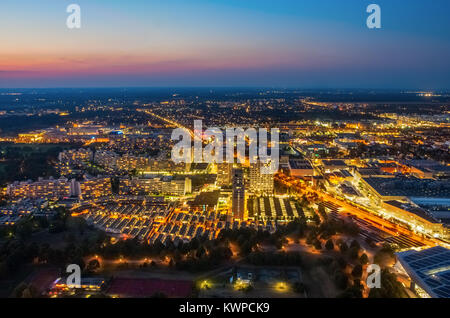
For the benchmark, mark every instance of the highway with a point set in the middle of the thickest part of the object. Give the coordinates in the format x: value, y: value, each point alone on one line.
x: 169, y: 121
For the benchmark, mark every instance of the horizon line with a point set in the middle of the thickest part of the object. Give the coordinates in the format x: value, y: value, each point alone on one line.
x: 232, y: 87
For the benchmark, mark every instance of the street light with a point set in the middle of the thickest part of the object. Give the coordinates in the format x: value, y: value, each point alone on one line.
x: 205, y: 284
x: 281, y: 286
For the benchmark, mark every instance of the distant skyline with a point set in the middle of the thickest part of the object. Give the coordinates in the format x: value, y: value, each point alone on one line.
x: 240, y: 43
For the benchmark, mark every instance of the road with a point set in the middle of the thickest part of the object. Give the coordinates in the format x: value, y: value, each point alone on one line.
x: 169, y: 121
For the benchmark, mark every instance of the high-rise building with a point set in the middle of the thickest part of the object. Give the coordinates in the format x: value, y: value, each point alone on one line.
x: 187, y: 185
x: 260, y: 183
x: 106, y: 159
x: 92, y: 188
x: 166, y: 185
x: 76, y: 156
x: 238, y: 203
x: 224, y: 171
x: 129, y: 163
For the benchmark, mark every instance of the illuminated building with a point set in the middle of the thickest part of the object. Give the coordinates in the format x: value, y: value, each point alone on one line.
x: 429, y: 271
x: 77, y: 156
x: 155, y: 185
x: 260, y: 183
x: 316, y: 149
x: 129, y: 163
x: 166, y: 166
x: 187, y: 185
x: 12, y: 213
x: 112, y: 162
x: 41, y: 189
x: 338, y: 177
x: 419, y: 219
x: 373, y: 172
x: 426, y: 169
x: 70, y: 158
x: 396, y: 196
x: 439, y: 208
x: 331, y: 165
x: 224, y: 171
x: 300, y: 168
x: 400, y: 188
x: 176, y: 186
x: 140, y: 186
x: 238, y: 198
x: 87, y: 130
x: 29, y: 138
x: 272, y: 208
x: 106, y: 159
x: 145, y: 218
x: 92, y: 188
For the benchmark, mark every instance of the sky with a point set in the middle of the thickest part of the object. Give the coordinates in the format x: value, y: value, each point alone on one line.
x: 279, y: 43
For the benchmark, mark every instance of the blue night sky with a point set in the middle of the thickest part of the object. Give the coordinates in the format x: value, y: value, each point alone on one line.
x: 283, y: 43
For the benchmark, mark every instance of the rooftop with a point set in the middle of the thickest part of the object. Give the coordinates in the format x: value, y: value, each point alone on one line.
x: 334, y: 162
x: 410, y: 187
x: 413, y: 209
x: 430, y: 269
x: 428, y: 166
x: 206, y: 199
x: 372, y: 172
x: 299, y: 164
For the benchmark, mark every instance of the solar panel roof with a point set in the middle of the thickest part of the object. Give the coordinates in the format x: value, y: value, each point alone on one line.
x: 430, y: 269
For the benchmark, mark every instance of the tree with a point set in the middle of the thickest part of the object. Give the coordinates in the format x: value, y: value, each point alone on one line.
x: 24, y: 229
x: 352, y: 292
x: 200, y: 252
x: 30, y: 292
x: 317, y: 245
x: 18, y: 291
x: 3, y: 270
x: 357, y: 271
x: 390, y: 287
x: 343, y: 247
x: 316, y: 218
x: 342, y: 263
x: 353, y: 252
x: 355, y: 244
x: 351, y: 229
x: 329, y: 245
x: 321, y: 212
x: 76, y: 224
x: 310, y: 238
x: 274, y: 259
x: 93, y: 265
x: 384, y: 255
x: 247, y: 289
x: 364, y: 259
x: 299, y: 288
x: 341, y: 280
